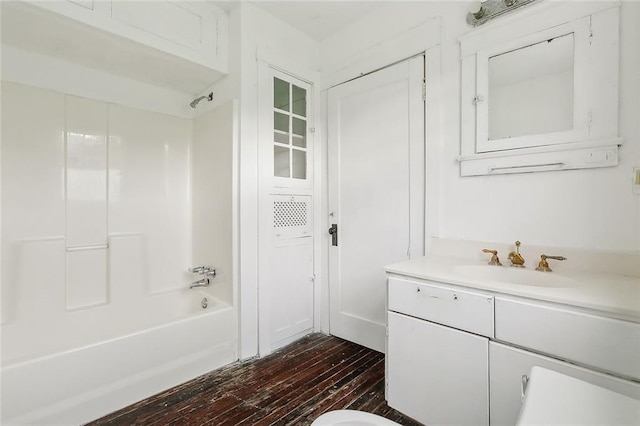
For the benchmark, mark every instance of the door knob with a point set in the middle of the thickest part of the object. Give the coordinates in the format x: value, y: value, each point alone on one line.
x: 333, y: 231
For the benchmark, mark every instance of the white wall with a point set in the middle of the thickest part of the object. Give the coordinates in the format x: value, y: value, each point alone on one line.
x: 583, y: 208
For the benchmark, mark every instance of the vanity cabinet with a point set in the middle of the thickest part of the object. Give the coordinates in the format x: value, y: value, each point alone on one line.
x: 437, y: 353
x: 456, y: 355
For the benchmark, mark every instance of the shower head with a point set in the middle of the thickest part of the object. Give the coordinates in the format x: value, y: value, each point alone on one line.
x: 194, y: 102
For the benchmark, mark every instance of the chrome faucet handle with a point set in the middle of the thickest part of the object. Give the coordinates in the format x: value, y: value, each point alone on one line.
x: 210, y: 272
x: 494, y: 258
x: 197, y: 269
x: 543, y: 265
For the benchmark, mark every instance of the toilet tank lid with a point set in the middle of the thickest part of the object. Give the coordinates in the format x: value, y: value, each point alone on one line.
x: 553, y: 398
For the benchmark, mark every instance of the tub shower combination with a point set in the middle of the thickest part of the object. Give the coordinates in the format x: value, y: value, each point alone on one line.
x: 103, y: 209
x: 77, y: 385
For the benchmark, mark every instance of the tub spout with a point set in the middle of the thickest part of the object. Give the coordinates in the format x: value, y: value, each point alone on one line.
x: 200, y: 283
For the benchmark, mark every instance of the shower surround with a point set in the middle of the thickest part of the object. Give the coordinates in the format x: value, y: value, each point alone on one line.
x: 98, y: 230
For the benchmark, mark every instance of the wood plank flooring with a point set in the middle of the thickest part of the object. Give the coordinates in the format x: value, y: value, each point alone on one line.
x: 290, y: 387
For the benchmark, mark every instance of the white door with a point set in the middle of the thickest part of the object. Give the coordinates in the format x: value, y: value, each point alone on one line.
x: 285, y: 205
x: 376, y: 193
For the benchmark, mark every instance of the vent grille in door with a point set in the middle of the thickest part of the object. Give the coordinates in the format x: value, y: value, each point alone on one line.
x: 291, y: 216
x: 289, y: 213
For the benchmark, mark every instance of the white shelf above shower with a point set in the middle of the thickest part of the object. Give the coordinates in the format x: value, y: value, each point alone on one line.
x: 176, y: 45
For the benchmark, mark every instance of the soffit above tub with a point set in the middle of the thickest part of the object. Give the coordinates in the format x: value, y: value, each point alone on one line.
x: 41, y: 31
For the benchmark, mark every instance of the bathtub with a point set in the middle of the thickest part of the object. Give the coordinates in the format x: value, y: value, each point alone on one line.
x: 78, y: 384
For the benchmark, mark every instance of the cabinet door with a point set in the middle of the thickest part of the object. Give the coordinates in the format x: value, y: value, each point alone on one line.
x: 436, y: 374
x: 508, y: 365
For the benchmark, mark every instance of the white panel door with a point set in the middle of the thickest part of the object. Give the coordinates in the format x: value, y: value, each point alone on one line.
x: 376, y: 193
x: 285, y: 211
x: 291, y: 269
x: 436, y: 374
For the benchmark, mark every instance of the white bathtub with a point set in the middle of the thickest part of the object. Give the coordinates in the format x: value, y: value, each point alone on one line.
x: 73, y: 386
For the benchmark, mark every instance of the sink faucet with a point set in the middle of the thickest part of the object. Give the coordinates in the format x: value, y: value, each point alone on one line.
x: 200, y: 283
x: 516, y: 258
x: 494, y: 258
x: 543, y: 265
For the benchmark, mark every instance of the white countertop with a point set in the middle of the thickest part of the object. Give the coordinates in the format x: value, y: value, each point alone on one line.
x: 616, y: 295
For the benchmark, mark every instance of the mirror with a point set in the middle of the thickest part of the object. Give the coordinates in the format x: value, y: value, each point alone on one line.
x: 531, y: 89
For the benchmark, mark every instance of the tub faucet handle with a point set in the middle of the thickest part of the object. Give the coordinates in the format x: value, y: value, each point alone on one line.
x: 494, y: 258
x: 197, y: 270
x: 209, y: 271
x: 543, y: 265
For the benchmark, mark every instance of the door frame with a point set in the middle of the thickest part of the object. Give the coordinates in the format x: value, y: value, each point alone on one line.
x: 343, y: 323
x: 433, y: 121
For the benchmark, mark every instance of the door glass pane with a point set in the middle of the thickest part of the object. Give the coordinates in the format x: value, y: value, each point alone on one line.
x: 299, y: 132
x: 299, y: 164
x: 281, y: 122
x: 280, y: 161
x: 281, y: 137
x: 280, y: 94
x: 299, y: 101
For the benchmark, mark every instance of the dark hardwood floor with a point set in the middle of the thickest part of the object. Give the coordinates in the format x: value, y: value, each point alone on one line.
x: 292, y: 386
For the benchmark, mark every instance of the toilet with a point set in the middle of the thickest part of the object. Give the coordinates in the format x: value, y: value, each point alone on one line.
x: 351, y: 418
x: 552, y: 398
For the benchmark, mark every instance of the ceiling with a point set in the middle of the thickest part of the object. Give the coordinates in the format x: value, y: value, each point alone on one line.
x: 317, y: 18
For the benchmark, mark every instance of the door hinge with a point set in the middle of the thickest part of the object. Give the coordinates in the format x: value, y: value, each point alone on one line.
x: 424, y: 90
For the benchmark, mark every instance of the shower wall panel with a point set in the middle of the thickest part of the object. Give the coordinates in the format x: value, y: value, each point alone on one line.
x: 95, y: 219
x: 86, y: 172
x: 149, y: 192
x: 212, y: 160
x: 33, y: 204
x: 86, y: 202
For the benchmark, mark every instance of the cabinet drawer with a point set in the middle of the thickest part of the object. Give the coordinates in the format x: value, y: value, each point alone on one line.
x: 465, y: 310
x: 605, y: 343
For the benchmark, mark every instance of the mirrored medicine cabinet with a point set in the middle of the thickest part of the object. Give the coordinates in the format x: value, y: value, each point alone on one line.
x: 540, y: 91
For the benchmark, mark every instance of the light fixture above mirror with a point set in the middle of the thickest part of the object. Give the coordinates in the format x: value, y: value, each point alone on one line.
x: 482, y: 11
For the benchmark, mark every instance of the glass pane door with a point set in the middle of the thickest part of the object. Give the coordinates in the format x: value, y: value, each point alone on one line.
x: 289, y: 130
